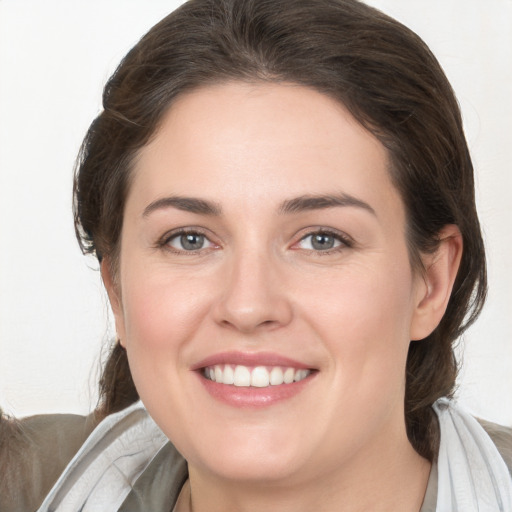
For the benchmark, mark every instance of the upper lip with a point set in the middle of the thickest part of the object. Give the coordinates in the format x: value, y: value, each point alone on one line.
x: 250, y: 359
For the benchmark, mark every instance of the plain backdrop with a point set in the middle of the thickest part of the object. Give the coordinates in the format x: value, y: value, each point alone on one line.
x: 55, y: 57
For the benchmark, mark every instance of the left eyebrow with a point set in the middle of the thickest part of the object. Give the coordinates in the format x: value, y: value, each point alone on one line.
x: 321, y: 202
x: 187, y: 204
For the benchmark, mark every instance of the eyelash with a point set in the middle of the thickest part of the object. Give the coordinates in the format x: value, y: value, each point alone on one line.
x: 164, y: 242
x: 344, y: 241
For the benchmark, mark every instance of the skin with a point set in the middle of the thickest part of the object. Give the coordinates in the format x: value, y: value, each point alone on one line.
x: 258, y: 285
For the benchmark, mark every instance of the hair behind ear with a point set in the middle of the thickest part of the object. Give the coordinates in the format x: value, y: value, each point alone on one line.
x: 431, y: 365
x: 116, y: 387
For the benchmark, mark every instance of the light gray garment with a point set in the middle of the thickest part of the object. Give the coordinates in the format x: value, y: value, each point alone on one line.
x: 472, y: 475
x: 108, y: 464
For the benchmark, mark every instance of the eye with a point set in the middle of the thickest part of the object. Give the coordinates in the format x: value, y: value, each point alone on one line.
x: 322, y: 241
x: 189, y: 241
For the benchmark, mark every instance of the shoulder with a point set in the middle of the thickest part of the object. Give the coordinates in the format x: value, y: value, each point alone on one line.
x: 109, y: 462
x: 502, y: 438
x: 33, y: 453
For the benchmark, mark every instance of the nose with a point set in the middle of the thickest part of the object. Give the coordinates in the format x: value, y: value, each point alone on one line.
x: 254, y: 295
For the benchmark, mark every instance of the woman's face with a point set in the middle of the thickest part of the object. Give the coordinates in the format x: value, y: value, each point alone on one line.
x: 263, y: 242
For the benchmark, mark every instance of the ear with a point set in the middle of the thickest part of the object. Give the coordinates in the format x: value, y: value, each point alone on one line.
x: 440, y: 272
x: 114, y: 297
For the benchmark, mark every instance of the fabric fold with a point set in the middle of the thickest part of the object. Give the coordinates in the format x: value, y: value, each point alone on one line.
x: 104, y: 470
x: 472, y: 475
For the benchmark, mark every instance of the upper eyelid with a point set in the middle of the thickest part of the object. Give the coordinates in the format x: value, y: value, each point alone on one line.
x: 184, y: 231
x: 344, y: 237
x: 173, y: 233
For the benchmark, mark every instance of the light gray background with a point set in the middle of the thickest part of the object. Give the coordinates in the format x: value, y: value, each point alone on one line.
x: 55, y: 57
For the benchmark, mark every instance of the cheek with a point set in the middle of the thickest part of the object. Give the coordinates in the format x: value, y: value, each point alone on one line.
x: 160, y: 308
x: 162, y: 314
x: 364, y: 316
x: 367, y: 294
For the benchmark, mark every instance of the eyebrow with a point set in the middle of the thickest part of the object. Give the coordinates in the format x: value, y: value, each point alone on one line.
x: 321, y: 202
x: 295, y: 205
x: 187, y: 204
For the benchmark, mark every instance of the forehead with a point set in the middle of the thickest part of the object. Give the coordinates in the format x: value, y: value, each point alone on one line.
x: 254, y: 143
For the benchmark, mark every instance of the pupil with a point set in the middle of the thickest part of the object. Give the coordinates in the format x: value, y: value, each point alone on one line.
x: 322, y: 242
x: 192, y: 241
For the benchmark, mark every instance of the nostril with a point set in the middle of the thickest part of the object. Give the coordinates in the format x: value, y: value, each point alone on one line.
x: 248, y: 325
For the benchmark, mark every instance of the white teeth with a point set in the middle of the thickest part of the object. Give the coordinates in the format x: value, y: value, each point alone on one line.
x: 276, y: 376
x: 259, y: 377
x: 229, y: 375
x: 300, y: 374
x: 288, y: 376
x: 242, y: 376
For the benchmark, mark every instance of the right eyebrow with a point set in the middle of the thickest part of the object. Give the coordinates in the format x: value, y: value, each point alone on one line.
x: 187, y: 204
x: 322, y: 202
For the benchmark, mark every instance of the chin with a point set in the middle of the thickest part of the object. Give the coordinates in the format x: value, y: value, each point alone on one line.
x: 256, y: 470
x: 249, y: 455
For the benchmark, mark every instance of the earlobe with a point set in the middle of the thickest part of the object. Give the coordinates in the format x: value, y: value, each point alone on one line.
x: 114, y: 297
x: 441, y: 270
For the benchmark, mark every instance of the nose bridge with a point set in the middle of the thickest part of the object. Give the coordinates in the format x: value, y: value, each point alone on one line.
x: 254, y: 293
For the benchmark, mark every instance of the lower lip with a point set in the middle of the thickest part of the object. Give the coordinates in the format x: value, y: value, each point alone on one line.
x: 253, y: 397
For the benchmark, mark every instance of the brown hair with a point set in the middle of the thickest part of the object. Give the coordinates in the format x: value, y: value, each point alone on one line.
x: 380, y: 70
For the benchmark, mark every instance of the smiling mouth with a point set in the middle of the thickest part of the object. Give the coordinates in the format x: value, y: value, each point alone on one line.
x: 257, y: 376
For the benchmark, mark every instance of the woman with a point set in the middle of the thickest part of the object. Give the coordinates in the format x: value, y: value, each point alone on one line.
x: 282, y: 202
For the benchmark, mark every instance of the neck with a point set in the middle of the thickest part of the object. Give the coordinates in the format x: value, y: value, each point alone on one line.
x: 394, y: 481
